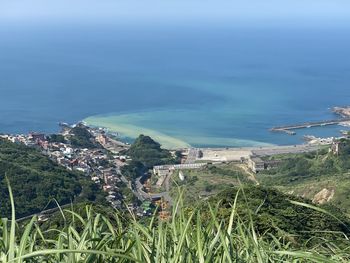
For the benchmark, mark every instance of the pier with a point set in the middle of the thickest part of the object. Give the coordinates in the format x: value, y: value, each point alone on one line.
x: 289, y: 129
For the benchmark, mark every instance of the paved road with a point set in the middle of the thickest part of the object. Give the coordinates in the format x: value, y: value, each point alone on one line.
x: 45, y: 212
x: 142, y: 195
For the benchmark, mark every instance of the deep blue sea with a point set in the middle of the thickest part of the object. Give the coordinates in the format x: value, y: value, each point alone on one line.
x: 207, y: 86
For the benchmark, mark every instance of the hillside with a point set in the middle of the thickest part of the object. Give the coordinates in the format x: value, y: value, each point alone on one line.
x: 208, y: 181
x: 36, y: 180
x: 259, y: 225
x: 149, y: 152
x: 269, y: 210
x: 81, y: 137
x: 146, y: 153
x: 322, y: 176
x: 275, y: 213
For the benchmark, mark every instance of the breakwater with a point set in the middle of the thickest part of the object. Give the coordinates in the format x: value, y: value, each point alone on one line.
x: 289, y: 129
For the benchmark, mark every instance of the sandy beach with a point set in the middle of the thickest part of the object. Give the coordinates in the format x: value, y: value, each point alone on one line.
x: 133, y: 131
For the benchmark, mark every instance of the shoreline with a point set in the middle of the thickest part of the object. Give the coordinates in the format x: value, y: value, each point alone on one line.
x: 130, y: 131
x: 133, y: 131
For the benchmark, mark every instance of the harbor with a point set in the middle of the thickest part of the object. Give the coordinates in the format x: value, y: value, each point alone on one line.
x: 344, y: 120
x: 289, y: 129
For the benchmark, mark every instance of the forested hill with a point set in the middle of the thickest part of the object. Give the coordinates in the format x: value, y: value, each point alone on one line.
x: 36, y: 180
x: 149, y: 152
x: 146, y: 153
x: 282, y: 215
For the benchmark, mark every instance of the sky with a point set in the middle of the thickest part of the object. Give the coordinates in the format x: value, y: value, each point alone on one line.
x: 176, y: 11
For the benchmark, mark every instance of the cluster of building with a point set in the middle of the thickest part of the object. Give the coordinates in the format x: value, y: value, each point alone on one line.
x: 31, y: 139
x: 100, y: 165
x: 103, y: 165
x: 319, y: 140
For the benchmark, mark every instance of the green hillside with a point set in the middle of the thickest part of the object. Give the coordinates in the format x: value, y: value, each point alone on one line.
x: 247, y: 225
x: 277, y: 213
x: 81, y: 137
x: 321, y: 176
x: 146, y: 153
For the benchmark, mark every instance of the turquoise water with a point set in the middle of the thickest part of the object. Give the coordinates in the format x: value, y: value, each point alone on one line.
x: 205, y: 87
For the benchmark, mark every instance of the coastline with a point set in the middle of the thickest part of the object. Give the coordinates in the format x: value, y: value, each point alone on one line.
x: 123, y: 126
x: 133, y: 131
x: 179, y: 129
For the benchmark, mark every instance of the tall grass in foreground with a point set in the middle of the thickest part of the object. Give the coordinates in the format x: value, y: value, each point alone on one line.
x: 92, y: 237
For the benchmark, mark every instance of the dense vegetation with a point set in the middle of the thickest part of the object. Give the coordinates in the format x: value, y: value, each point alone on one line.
x: 314, y: 164
x: 58, y: 138
x: 37, y: 180
x: 208, y: 181
x: 81, y: 137
x: 225, y: 231
x: 308, y: 174
x: 149, y: 152
x: 275, y: 213
x: 146, y: 153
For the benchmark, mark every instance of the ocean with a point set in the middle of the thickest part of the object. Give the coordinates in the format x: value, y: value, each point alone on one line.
x: 201, y: 86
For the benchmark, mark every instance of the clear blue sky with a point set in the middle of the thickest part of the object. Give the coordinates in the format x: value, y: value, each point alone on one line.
x: 176, y: 11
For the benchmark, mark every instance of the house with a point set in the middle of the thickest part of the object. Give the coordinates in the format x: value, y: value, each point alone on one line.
x: 44, y: 144
x: 256, y: 164
x: 67, y: 151
x: 4, y: 136
x: 95, y: 179
x: 14, y: 139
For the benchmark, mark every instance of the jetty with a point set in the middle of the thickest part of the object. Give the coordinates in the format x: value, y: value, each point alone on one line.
x: 289, y: 129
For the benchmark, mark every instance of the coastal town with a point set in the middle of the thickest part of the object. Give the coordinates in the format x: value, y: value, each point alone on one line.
x: 101, y: 156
